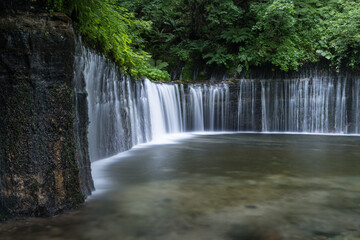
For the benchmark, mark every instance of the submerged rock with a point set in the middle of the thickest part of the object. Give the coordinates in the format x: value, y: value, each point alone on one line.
x: 239, y: 232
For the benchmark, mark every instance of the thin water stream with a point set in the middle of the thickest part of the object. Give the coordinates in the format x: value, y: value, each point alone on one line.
x: 124, y: 113
x: 231, y: 186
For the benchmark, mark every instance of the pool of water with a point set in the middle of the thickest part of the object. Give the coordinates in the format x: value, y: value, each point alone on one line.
x: 230, y: 186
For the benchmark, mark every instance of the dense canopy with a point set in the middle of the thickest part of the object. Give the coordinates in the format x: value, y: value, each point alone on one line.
x: 153, y: 38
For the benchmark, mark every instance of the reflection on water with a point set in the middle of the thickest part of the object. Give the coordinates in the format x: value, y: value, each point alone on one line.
x: 235, y: 187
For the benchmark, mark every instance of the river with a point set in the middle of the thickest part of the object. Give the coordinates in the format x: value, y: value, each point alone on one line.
x: 219, y: 186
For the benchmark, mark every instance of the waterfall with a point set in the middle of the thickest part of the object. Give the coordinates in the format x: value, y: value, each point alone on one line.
x: 317, y: 105
x: 124, y: 113
x: 196, y: 110
x: 216, y: 110
x: 356, y: 107
x: 165, y: 109
x: 247, y: 118
x: 108, y: 127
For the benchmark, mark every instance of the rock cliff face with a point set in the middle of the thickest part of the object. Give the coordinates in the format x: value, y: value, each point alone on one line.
x: 44, y: 162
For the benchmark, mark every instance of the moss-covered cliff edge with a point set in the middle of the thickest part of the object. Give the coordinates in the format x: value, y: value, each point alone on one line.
x: 44, y: 163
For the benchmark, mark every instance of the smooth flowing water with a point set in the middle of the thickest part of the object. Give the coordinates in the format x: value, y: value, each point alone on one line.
x: 233, y: 186
x: 124, y: 113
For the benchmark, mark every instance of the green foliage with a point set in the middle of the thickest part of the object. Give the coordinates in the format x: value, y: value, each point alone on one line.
x: 340, y: 36
x: 282, y: 34
x: 115, y: 31
x: 192, y: 32
x: 188, y: 71
x: 148, y: 37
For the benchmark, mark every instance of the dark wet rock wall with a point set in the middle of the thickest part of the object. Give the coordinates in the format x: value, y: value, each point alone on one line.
x: 44, y: 164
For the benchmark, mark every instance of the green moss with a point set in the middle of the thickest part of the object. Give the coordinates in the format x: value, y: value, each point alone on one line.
x: 188, y: 72
x: 35, y: 186
x: 201, y: 76
x: 70, y: 165
x: 231, y: 70
x: 17, y: 165
x: 50, y: 171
